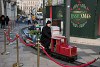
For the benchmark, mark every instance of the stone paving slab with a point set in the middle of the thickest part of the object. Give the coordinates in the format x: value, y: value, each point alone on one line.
x: 28, y: 59
x: 78, y: 40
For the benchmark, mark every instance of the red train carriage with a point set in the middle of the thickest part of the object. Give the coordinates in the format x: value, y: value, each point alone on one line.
x: 61, y: 47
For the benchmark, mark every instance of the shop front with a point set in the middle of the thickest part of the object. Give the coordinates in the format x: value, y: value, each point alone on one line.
x: 84, y: 17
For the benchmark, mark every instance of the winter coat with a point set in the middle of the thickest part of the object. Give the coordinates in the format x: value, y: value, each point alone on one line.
x: 2, y: 21
x: 7, y: 20
x: 46, y: 36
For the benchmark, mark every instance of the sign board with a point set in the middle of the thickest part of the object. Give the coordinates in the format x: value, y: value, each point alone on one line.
x: 80, y: 14
x: 58, y: 12
x: 83, y: 22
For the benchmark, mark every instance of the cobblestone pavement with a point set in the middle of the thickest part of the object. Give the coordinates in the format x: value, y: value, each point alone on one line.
x: 28, y: 55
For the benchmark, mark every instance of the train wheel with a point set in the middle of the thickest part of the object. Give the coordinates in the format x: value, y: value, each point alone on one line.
x: 71, y: 59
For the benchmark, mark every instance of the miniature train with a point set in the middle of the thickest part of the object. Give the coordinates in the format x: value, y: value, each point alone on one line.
x: 61, y: 47
x: 58, y: 47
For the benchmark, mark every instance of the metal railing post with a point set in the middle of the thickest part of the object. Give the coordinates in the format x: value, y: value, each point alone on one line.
x: 38, y: 53
x: 17, y: 49
x: 5, y: 47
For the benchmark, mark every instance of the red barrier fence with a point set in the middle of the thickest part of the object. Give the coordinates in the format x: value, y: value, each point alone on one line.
x: 8, y: 37
x: 31, y: 44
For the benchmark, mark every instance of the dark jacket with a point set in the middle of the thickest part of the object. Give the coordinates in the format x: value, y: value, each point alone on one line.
x: 7, y: 20
x: 2, y: 21
x: 46, y: 36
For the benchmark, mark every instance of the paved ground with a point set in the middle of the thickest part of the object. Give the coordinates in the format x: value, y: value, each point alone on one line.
x: 95, y: 42
x: 28, y: 55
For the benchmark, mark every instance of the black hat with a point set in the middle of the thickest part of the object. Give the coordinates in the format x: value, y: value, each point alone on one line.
x: 48, y: 22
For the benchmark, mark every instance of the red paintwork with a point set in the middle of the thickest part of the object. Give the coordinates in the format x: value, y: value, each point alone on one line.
x: 50, y: 11
x: 62, y: 47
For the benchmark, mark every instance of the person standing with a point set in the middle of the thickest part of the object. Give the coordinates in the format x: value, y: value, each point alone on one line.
x: 46, y: 36
x: 2, y: 20
x: 7, y: 20
x: 29, y: 20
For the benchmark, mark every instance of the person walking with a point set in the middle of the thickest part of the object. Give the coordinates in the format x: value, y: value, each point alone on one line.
x: 2, y: 21
x: 7, y: 20
x: 46, y: 36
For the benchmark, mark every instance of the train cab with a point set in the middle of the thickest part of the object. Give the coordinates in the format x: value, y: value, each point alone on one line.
x: 61, y: 47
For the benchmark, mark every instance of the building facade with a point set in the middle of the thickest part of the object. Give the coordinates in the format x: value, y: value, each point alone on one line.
x: 8, y: 8
x: 28, y: 5
x: 84, y: 17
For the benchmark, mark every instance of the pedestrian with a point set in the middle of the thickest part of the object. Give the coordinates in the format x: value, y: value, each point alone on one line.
x: 34, y: 31
x: 7, y: 20
x: 46, y: 36
x: 2, y: 20
x: 29, y: 22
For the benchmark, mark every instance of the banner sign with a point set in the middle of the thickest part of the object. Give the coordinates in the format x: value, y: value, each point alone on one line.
x: 79, y: 15
x: 83, y: 18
